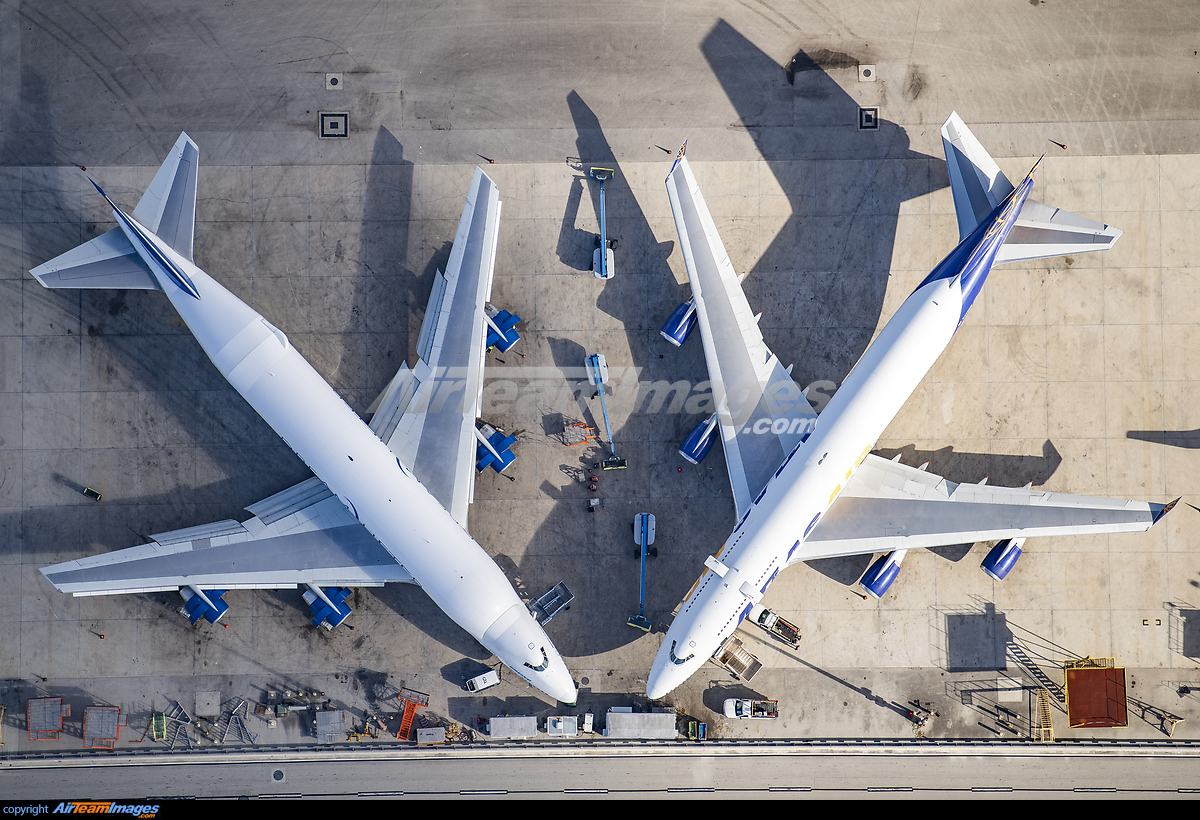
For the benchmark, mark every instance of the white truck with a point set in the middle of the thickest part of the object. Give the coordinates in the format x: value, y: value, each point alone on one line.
x: 771, y: 622
x: 745, y: 708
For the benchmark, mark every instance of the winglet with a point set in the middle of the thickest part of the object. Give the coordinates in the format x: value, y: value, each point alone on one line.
x: 1159, y: 510
x: 678, y: 156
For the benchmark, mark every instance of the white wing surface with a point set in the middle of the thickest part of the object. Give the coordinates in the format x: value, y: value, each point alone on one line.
x: 762, y: 412
x: 426, y: 415
x: 889, y: 506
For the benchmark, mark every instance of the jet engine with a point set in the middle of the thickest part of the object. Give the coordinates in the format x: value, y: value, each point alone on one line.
x: 501, y: 328
x: 698, y: 442
x: 681, y: 323
x: 1002, y: 558
x: 206, y: 604
x: 879, y: 577
x: 328, y: 605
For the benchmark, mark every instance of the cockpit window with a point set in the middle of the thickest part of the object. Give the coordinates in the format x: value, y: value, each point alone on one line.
x: 545, y: 662
x: 678, y: 661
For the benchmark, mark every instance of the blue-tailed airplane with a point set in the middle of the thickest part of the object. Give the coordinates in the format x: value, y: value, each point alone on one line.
x: 388, y: 503
x: 806, y: 487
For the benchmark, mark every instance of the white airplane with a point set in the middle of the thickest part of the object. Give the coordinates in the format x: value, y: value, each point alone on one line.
x: 808, y: 487
x: 388, y: 503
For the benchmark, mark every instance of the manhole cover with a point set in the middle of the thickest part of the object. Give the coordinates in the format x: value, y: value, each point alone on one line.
x: 334, y: 124
x: 866, y: 73
x: 333, y: 81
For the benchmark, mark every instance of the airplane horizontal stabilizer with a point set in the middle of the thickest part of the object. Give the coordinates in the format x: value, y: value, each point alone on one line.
x: 109, y: 261
x: 979, y: 186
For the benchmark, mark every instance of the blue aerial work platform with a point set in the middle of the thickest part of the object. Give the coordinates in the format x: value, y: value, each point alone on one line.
x: 602, y: 257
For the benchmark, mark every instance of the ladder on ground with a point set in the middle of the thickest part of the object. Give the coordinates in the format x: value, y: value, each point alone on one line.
x: 412, y: 700
x: 1043, y: 732
x: 235, y: 724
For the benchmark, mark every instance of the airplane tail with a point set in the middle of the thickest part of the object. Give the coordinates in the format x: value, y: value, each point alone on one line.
x: 168, y: 208
x: 979, y: 186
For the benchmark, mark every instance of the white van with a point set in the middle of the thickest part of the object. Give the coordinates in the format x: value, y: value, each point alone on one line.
x: 485, y: 681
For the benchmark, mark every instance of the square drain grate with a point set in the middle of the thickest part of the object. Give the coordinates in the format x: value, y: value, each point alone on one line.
x: 868, y: 119
x: 334, y: 124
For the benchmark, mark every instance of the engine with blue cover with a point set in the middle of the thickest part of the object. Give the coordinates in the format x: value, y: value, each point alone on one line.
x: 1002, y: 558
x: 879, y: 577
x: 503, y: 341
x: 195, y: 607
x: 321, y: 611
x: 698, y: 442
x: 501, y: 444
x: 681, y: 323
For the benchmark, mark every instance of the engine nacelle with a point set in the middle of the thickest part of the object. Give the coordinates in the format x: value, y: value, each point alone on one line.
x: 1002, y: 558
x: 501, y: 328
x: 195, y: 605
x: 879, y: 577
x: 323, y: 614
x: 681, y: 323
x: 493, y: 449
x: 698, y: 442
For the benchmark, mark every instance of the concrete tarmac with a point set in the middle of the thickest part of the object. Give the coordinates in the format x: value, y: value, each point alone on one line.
x: 1074, y: 374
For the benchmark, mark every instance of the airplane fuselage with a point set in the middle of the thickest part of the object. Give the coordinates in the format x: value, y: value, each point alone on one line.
x: 772, y: 532
x: 284, y: 389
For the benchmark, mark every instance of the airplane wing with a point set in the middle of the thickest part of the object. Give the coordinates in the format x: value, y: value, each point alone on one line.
x: 888, y: 506
x: 303, y: 535
x: 762, y: 412
x: 979, y: 186
x: 426, y: 415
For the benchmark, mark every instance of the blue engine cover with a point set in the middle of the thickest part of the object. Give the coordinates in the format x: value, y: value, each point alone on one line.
x: 501, y: 443
x: 681, y: 324
x: 195, y: 608
x: 880, y: 576
x: 1001, y: 559
x: 507, y: 322
x: 322, y: 612
x: 698, y: 442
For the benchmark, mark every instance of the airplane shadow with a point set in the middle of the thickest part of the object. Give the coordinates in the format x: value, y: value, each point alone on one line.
x: 1187, y: 439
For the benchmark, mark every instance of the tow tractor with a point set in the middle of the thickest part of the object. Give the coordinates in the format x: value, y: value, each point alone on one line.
x: 602, y: 257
